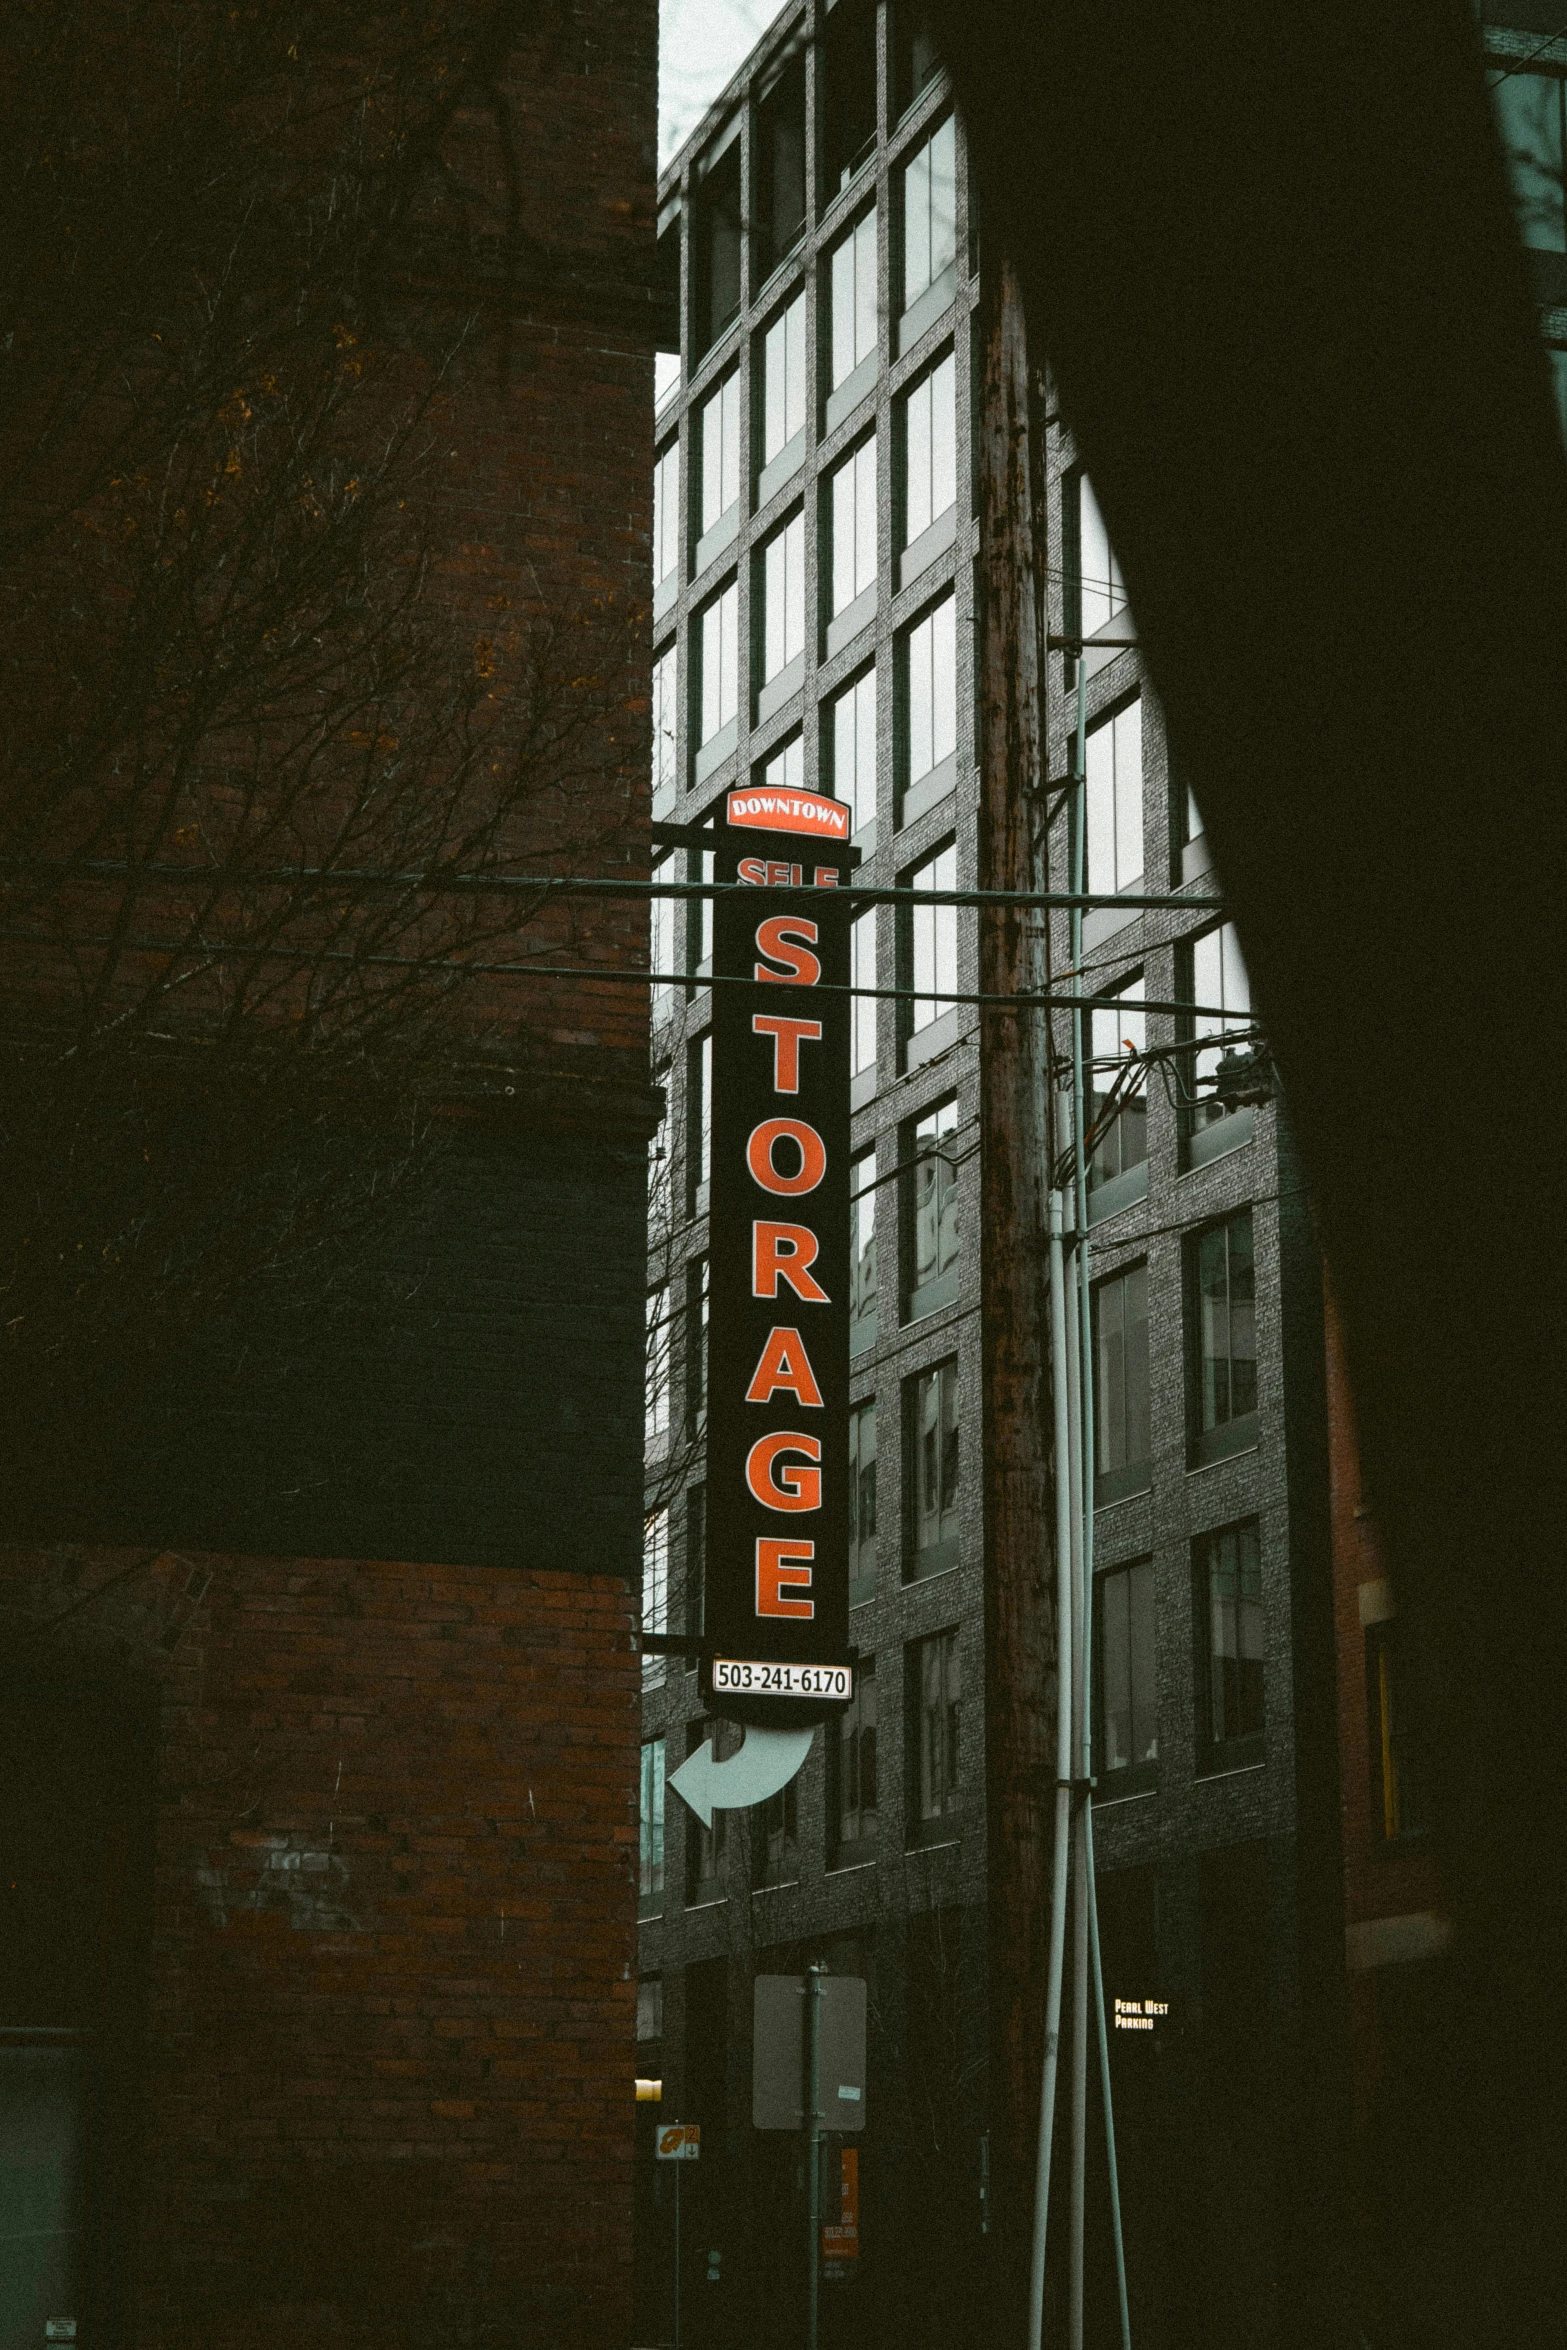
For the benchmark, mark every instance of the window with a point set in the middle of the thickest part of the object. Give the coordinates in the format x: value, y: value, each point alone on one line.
x: 934, y: 1464
x: 915, y: 63
x: 659, y: 1205
x: 783, y: 380
x: 930, y: 213
x: 1123, y: 1443
x: 1126, y: 1700
x: 716, y: 255
x: 1116, y: 1091
x: 862, y: 1253
x: 655, y: 1584
x: 862, y: 973
x: 1095, y: 590
x: 655, y: 1413
x: 696, y: 1562
x: 851, y: 734
x: 699, y: 917
x: 699, y: 1122
x: 936, y: 1694
x: 666, y: 513
x: 851, y: 295
x: 707, y: 1849
x: 696, y: 1343
x: 851, y: 1772
x: 931, y: 933
x: 664, y: 721
x: 661, y: 936
x: 849, y: 65
x: 1225, y: 1332
x: 1216, y: 978
x: 928, y: 709
x: 775, y: 1837
x: 1529, y: 115
x: 650, y: 2009
x: 862, y: 1503
x: 1398, y: 1798
x: 718, y: 432
x: 785, y: 770
x: 933, y: 1205
x: 1229, y: 1610
x: 780, y: 167
x: 853, y: 491
x: 650, y: 1828
x: 783, y: 598
x: 1114, y: 768
x: 719, y: 662
x: 930, y: 481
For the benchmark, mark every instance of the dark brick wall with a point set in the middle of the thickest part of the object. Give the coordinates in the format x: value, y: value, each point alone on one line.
x: 385, y: 2072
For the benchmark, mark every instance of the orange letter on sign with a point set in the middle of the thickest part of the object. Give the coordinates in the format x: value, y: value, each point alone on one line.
x: 788, y: 1488
x: 788, y: 1036
x: 779, y: 937
x: 784, y: 1363
x: 775, y: 1567
x: 781, y: 1252
x: 813, y: 1156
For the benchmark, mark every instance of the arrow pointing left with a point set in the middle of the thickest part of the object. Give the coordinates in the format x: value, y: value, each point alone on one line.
x: 767, y: 1761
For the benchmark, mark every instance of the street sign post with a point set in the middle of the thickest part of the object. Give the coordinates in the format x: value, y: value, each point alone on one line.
x: 679, y: 2143
x: 777, y: 1589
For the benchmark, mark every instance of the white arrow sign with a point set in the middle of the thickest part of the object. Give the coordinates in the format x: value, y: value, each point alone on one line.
x: 767, y: 1761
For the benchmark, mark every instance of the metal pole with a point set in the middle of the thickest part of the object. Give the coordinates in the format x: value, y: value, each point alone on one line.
x: 1079, y: 2073
x: 1083, y: 1517
x: 813, y: 2028
x: 1104, y: 2090
x: 1063, y: 1498
x: 679, y: 2167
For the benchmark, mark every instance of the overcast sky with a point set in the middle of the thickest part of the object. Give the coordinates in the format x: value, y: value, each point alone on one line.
x: 701, y: 43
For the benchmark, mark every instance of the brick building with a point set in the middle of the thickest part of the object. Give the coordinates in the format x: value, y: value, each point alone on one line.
x: 838, y: 585
x: 319, y: 1691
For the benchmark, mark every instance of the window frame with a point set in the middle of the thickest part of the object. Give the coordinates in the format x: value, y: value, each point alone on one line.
x: 923, y: 1561
x: 1142, y: 1773
x: 941, y: 1825
x: 915, y: 1153
x: 1208, y: 1442
x: 863, y: 1586
x: 850, y: 1727
x: 1135, y: 1473
x: 1245, y: 1747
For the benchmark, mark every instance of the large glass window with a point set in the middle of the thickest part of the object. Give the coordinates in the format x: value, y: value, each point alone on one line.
x: 783, y: 598
x: 1095, y: 589
x: 851, y: 1799
x: 716, y: 240
x: 666, y: 513
x: 784, y: 770
x: 1114, y: 768
x: 1229, y: 1593
x: 930, y: 478
x: 1116, y: 1092
x: 1126, y: 1709
x: 718, y: 433
x: 862, y: 1503
x: 775, y: 1837
x: 862, y: 1252
x: 933, y: 1210
x: 650, y: 2009
x: 655, y: 1583
x: 849, y: 72
x: 936, y: 1744
x: 853, y: 490
x: 928, y: 707
x: 664, y: 724
x: 852, y: 733
x: 780, y: 167
x: 655, y: 1411
x: 1530, y: 117
x: 851, y: 284
x: 915, y: 61
x: 699, y: 916
x: 1223, y: 1284
x: 783, y: 380
x: 930, y: 212
x: 932, y: 935
x: 862, y: 973
x: 720, y: 662
x: 650, y: 1827
x: 1216, y: 976
x: 661, y: 933
x: 934, y: 1468
x: 1123, y: 1444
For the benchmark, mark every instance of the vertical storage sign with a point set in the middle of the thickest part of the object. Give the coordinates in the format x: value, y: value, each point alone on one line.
x: 777, y: 1598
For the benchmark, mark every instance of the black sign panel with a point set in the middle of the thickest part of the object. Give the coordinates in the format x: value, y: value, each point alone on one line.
x: 777, y: 1597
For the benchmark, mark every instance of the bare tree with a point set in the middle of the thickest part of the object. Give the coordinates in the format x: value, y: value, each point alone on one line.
x: 267, y: 807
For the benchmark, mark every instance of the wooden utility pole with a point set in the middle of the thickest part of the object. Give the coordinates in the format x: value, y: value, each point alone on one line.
x: 1020, y: 1629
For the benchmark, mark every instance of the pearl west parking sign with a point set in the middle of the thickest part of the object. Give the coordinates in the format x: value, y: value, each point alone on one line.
x: 777, y: 1586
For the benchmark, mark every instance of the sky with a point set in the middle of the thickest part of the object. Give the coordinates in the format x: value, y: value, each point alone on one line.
x: 701, y: 43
